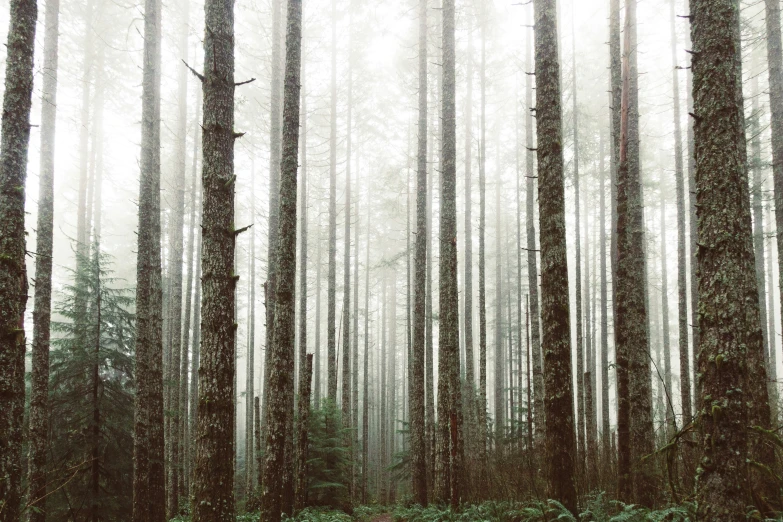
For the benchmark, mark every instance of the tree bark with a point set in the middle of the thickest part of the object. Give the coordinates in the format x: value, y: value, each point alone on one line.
x: 331, y: 320
x: 559, y: 402
x: 42, y: 313
x: 449, y: 392
x: 215, y: 432
x: 417, y: 427
x: 149, y: 476
x: 730, y: 350
x: 302, y: 438
x: 539, y: 414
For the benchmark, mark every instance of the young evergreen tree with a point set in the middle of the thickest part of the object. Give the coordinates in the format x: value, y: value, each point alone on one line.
x: 213, y: 480
x: 148, y: 458
x: 558, y: 400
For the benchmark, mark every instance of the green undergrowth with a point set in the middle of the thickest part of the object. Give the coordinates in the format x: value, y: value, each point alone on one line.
x: 597, y: 508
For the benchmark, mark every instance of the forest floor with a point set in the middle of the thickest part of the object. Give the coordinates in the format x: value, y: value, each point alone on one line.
x: 386, y: 517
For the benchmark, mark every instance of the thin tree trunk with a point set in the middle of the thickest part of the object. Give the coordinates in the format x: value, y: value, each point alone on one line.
x: 682, y: 290
x: 500, y: 399
x: 149, y: 476
x: 346, y: 327
x: 667, y: 365
x: 606, y: 433
x: 539, y: 414
x: 417, y: 399
x: 42, y: 312
x: 215, y: 432
x: 251, y: 338
x: 559, y: 402
x: 317, y: 354
x: 580, y: 384
x: 365, y: 390
x: 331, y: 323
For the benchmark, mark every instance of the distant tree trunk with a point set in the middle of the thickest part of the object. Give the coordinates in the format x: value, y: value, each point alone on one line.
x: 383, y: 415
x: 428, y: 336
x: 482, y: 396
x: 331, y: 338
x: 188, y: 401
x: 175, y: 277
x: 257, y: 435
x: 519, y: 248
x: 302, y: 442
x: 393, y: 386
x: 667, y: 365
x: 532, y: 259
x: 303, y: 221
x: 82, y: 229
x: 251, y: 339
x: 591, y: 423
x: 775, y: 61
x: 606, y: 433
x: 469, y: 370
x: 196, y: 348
x: 42, y: 312
x: 449, y: 392
x: 213, y: 482
x: 148, y: 471
x: 559, y: 402
x: 317, y: 354
x: 346, y: 316
x: 580, y: 383
x: 682, y: 289
x: 615, y: 89
x: 636, y: 477
x: 500, y: 396
x: 417, y: 427
x: 366, y: 386
x: 730, y: 353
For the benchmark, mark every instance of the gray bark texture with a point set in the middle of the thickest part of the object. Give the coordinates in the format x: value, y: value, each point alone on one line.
x: 149, y: 475
x: 558, y: 400
x: 14, y: 139
x: 732, y: 374
x: 281, y: 357
x: 213, y: 480
x: 418, y: 446
x: 42, y: 312
x: 450, y: 439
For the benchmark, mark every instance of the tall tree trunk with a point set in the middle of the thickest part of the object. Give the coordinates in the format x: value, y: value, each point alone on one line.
x: 559, y: 402
x: 449, y: 393
x: 331, y: 321
x: 383, y: 415
x: 468, y: 328
x: 149, y: 476
x: 633, y: 362
x: 215, y: 432
x: 302, y: 438
x: 42, y: 312
x: 539, y: 414
x: 418, y: 445
x: 175, y: 277
x: 365, y: 384
x: 606, y: 433
x: 317, y: 354
x: 277, y: 474
x: 682, y: 289
x: 346, y: 316
x: 251, y: 339
x: 500, y: 399
x: 730, y: 350
x: 275, y: 136
x: 303, y: 222
x: 775, y: 61
x: 188, y: 402
x: 196, y: 347
x: 580, y: 384
x: 482, y: 397
x: 667, y: 365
